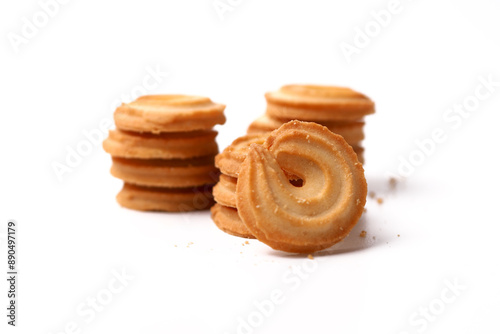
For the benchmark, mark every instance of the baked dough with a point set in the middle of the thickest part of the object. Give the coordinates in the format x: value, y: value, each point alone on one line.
x: 314, y: 216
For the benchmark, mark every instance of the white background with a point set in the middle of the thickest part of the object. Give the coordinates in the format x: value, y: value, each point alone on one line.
x: 73, y: 235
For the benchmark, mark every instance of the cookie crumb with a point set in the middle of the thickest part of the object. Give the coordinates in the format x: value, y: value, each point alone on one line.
x: 372, y: 194
x: 393, y: 182
x: 398, y: 235
x: 310, y: 257
x: 175, y: 245
x: 249, y: 243
x: 373, y: 237
x: 362, y: 234
x: 380, y: 200
x: 365, y: 210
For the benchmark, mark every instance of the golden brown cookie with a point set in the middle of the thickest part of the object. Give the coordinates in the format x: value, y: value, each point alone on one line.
x: 319, y: 213
x: 225, y: 191
x: 169, y: 113
x: 318, y: 103
x: 165, y: 199
x: 230, y: 159
x: 179, y: 145
x: 174, y: 173
x: 351, y: 131
x: 227, y: 220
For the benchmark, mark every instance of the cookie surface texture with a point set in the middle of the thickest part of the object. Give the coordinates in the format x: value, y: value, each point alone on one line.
x: 318, y: 103
x: 179, y: 145
x: 166, y: 173
x: 225, y: 191
x: 351, y: 131
x: 230, y: 159
x: 165, y: 199
x: 169, y: 113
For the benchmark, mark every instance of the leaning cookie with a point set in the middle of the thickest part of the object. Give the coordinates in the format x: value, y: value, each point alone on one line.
x: 322, y: 210
x: 169, y: 113
x: 227, y: 220
x: 318, y: 103
x: 165, y: 199
x: 179, y: 145
x: 176, y: 173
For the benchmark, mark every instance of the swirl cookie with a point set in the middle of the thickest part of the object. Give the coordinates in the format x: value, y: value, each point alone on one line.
x: 351, y: 131
x: 230, y: 159
x: 166, y: 173
x: 317, y: 214
x: 227, y: 220
x: 225, y: 191
x: 169, y: 113
x: 318, y: 103
x: 179, y: 145
x: 165, y: 199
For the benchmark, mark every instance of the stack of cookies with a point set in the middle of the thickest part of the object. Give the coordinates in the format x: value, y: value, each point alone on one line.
x: 163, y: 148
x: 300, y: 188
x: 225, y: 212
x: 341, y: 110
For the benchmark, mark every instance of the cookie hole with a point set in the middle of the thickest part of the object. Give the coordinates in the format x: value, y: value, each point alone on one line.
x: 294, y: 179
x: 296, y: 182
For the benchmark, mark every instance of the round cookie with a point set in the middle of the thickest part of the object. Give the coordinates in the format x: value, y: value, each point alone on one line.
x: 169, y: 113
x: 230, y: 159
x: 166, y: 173
x: 351, y: 131
x: 227, y: 220
x: 318, y: 103
x: 180, y: 145
x: 318, y: 213
x: 225, y: 191
x: 165, y: 199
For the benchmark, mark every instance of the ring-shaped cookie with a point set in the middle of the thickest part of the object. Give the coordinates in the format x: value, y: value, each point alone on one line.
x: 318, y: 103
x: 351, y: 131
x: 169, y: 113
x: 172, y: 173
x: 314, y: 216
x: 229, y: 160
x: 225, y: 191
x: 179, y: 145
x: 227, y: 220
